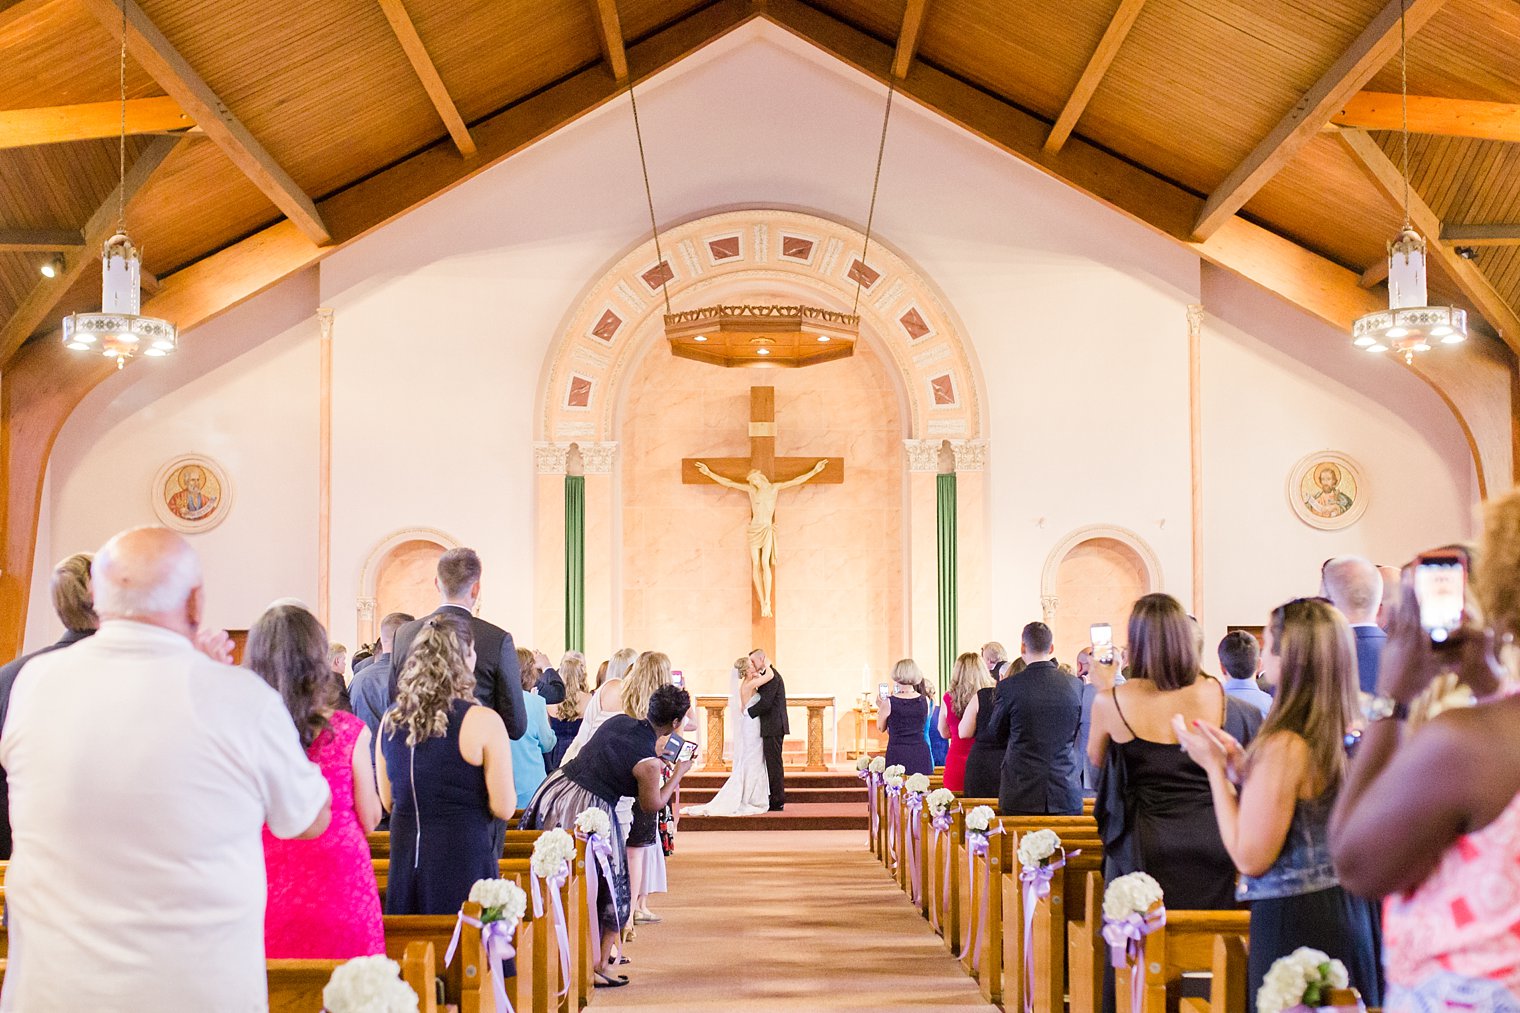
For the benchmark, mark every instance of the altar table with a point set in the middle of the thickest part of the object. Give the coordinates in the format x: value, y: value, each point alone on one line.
x: 716, y: 706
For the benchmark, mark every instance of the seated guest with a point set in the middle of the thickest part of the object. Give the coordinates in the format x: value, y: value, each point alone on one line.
x: 1037, y: 712
x: 75, y: 607
x: 1275, y: 823
x: 1155, y: 810
x: 968, y: 678
x: 185, y: 759
x: 445, y: 771
x: 370, y: 691
x: 1429, y: 817
x: 323, y: 903
x: 1355, y: 587
x: 565, y: 716
x: 1240, y: 659
x: 903, y: 716
x: 984, y: 763
x: 620, y: 760
x: 528, y: 752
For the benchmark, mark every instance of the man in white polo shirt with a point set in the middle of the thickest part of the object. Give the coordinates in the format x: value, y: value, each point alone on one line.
x: 141, y: 771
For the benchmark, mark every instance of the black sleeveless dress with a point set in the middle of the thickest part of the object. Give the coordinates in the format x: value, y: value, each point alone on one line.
x: 441, y: 825
x: 984, y: 764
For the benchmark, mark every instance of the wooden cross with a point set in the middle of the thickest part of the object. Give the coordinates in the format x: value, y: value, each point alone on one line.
x: 762, y: 458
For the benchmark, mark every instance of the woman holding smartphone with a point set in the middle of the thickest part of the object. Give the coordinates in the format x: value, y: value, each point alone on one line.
x: 904, y: 716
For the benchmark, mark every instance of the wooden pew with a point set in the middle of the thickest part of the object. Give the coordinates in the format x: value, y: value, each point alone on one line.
x: 1214, y: 941
x: 1053, y: 920
x: 295, y: 986
x: 518, y: 844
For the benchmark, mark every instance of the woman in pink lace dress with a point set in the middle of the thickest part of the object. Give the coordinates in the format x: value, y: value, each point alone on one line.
x: 323, y: 902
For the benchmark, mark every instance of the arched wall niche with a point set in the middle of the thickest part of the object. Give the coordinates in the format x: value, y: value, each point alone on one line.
x: 395, y: 577
x: 1094, y: 575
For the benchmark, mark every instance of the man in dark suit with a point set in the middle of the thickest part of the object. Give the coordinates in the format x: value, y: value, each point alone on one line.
x: 769, y: 706
x: 370, y: 690
x: 75, y: 605
x: 1355, y: 587
x: 550, y: 686
x: 1039, y: 711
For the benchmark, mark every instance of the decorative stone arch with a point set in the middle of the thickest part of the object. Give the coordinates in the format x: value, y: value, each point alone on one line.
x: 369, y: 574
x: 1092, y: 532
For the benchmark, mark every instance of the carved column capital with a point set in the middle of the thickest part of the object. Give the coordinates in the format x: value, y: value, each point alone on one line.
x: 1048, y: 605
x: 598, y: 458
x: 1195, y: 319
x: 325, y: 322
x: 923, y: 455
x: 367, y: 609
x: 970, y: 455
x: 549, y: 458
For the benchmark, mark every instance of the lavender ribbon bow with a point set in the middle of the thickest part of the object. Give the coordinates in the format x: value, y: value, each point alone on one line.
x: 894, y: 821
x: 555, y: 883
x: 1123, y: 936
x: 977, y: 842
x: 496, y: 941
x: 600, y: 849
x: 939, y: 826
x: 914, y: 803
x: 1036, y: 880
x: 869, y: 777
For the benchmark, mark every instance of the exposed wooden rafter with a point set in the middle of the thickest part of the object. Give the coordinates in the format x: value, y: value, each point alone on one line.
x: 1480, y: 234
x: 427, y: 73
x: 174, y: 75
x: 38, y: 304
x: 609, y: 35
x: 1375, y: 275
x: 1445, y: 117
x: 908, y: 37
x: 40, y: 240
x: 23, y: 128
x: 1108, y: 48
x: 1356, y: 66
x: 1469, y: 279
x: 15, y: 10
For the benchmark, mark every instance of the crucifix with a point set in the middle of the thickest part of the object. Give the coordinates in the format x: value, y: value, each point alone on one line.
x: 762, y: 475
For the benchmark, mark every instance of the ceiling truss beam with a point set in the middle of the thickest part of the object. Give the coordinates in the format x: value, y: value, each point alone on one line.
x: 1444, y: 117
x: 908, y: 37
x: 1480, y: 234
x: 25, y: 128
x: 609, y: 35
x: 40, y: 240
x: 427, y: 72
x: 1108, y: 48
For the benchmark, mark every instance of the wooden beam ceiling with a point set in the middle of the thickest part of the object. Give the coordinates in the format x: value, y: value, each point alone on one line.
x: 23, y: 128
x: 40, y: 240
x: 1382, y: 171
x: 1108, y: 48
x: 908, y: 37
x: 609, y: 34
x: 1364, y: 58
x: 1375, y: 275
x: 164, y: 63
x: 15, y: 10
x: 38, y: 305
x: 1480, y: 234
x: 427, y: 73
x: 1445, y: 117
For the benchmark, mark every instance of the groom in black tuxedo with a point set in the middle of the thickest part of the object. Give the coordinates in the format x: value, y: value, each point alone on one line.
x: 769, y: 706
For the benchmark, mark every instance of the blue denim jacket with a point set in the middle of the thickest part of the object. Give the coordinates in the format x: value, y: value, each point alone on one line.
x: 1304, y: 865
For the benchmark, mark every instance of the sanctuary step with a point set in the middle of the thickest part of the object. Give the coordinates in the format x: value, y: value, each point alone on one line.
x: 830, y: 800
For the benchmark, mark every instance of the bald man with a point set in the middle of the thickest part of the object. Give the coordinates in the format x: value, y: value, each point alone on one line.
x: 1355, y: 587
x: 137, y: 742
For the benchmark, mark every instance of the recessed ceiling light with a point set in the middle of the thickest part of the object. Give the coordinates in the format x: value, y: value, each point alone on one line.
x: 823, y: 337
x: 700, y: 337
x: 762, y: 351
x: 53, y: 266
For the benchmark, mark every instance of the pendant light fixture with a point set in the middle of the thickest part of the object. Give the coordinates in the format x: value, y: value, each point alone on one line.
x: 1408, y: 326
x: 119, y: 331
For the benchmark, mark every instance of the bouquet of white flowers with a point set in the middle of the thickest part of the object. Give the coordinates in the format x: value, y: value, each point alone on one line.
x: 368, y: 985
x: 594, y: 822
x: 939, y: 800
x: 878, y: 765
x: 1036, y: 847
x: 897, y: 770
x: 1135, y: 893
x: 917, y: 783
x: 1302, y: 978
x: 863, y: 762
x: 550, y: 852
x: 979, y: 820
x: 500, y: 900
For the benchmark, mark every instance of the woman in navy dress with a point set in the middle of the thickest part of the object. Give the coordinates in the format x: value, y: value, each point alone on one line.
x: 565, y: 717
x: 904, y: 717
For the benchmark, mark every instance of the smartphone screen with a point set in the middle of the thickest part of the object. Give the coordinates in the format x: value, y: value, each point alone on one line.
x: 1102, y: 635
x: 882, y: 691
x: 688, y: 750
x: 678, y: 679
x: 1440, y: 584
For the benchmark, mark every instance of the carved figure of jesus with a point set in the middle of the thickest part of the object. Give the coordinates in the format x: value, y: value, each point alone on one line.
x: 761, y: 532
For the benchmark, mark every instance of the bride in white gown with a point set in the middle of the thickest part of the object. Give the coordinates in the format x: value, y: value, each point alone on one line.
x: 748, y: 789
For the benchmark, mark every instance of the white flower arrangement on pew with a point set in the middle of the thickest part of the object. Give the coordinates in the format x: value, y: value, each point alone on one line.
x: 1301, y: 980
x: 500, y: 900
x: 918, y: 784
x: 863, y: 762
x: 1036, y: 847
x: 550, y: 852
x: 892, y: 777
x: 368, y: 985
x: 1134, y: 894
x: 593, y: 822
x: 979, y: 820
x: 939, y: 801
x: 878, y: 765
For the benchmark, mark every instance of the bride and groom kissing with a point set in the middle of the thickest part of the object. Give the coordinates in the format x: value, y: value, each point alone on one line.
x: 757, y: 699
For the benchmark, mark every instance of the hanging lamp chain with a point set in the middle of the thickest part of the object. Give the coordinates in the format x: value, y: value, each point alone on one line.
x: 121, y: 141
x: 1404, y: 105
x: 659, y: 258
x: 881, y: 150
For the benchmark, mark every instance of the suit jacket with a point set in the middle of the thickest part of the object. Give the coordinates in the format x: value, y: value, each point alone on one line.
x: 498, y: 680
x: 370, y: 692
x: 1040, y: 712
x: 769, y: 705
x: 551, y: 688
x: 1369, y: 655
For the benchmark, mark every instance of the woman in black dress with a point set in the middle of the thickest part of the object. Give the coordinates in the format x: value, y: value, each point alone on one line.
x: 445, y: 772
x: 984, y: 764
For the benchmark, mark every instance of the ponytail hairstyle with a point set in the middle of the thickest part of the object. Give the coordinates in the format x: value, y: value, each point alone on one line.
x: 287, y: 647
x: 437, y: 673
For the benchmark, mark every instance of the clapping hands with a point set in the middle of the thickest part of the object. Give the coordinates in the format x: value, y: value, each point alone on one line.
x: 1213, y: 749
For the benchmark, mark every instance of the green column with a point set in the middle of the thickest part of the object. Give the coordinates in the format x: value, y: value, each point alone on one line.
x: 575, y: 562
x: 949, y: 625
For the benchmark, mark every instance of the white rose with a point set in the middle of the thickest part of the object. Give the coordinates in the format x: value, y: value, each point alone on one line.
x: 368, y: 985
x: 551, y: 851
x: 939, y: 800
x: 1035, y: 847
x: 917, y: 783
x: 980, y: 818
x: 1135, y: 893
x: 594, y: 821
x: 878, y: 765
x: 896, y: 770
x: 863, y: 762
x: 893, y: 780
x: 501, y: 900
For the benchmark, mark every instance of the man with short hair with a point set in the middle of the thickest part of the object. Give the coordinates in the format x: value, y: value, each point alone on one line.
x: 769, y: 705
x: 1355, y: 587
x: 1240, y: 658
x: 1038, y: 711
x: 185, y: 759
x: 371, y: 687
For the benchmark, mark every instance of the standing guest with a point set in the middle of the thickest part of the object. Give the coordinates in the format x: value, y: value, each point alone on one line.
x: 605, y: 702
x: 984, y: 764
x: 1038, y: 713
x: 968, y: 678
x: 1240, y: 660
x: 1355, y: 587
x: 1084, y: 674
x: 620, y: 760
x: 323, y: 902
x: 337, y: 663
x: 363, y: 658
x: 995, y: 656
x: 75, y: 607
x: 601, y: 673
x: 445, y: 771
x: 185, y: 759
x: 528, y: 752
x: 550, y: 685
x: 565, y: 716
x: 1390, y: 575
x: 902, y: 716
x: 1275, y: 820
x: 371, y: 688
x: 646, y: 859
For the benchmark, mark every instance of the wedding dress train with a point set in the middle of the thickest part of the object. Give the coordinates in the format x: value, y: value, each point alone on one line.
x: 748, y: 789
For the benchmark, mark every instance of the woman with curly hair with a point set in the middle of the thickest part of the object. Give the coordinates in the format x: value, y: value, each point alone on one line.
x: 445, y: 771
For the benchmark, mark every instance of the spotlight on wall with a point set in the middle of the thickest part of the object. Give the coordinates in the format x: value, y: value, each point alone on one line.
x: 53, y: 266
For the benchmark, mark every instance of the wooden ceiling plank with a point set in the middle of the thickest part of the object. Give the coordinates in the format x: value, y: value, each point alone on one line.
x: 164, y: 64
x: 15, y: 10
x: 1480, y: 234
x: 40, y: 240
x: 1467, y: 276
x: 427, y: 72
x: 1375, y: 275
x: 1446, y: 117
x: 908, y: 37
x: 38, y: 304
x: 609, y: 34
x: 25, y: 128
x: 1356, y: 66
x: 1108, y: 48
